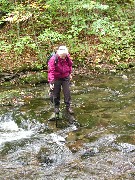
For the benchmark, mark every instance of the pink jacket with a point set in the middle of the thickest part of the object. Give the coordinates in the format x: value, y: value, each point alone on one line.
x: 62, y: 69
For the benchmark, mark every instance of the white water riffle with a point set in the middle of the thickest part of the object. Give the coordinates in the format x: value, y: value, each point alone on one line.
x: 9, y: 131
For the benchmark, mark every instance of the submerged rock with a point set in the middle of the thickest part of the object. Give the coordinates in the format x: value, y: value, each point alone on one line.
x: 89, y: 153
x: 124, y: 77
x: 44, y: 156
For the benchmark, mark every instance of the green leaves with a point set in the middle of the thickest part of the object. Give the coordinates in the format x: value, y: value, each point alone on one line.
x: 49, y: 35
x: 23, y: 42
x: 6, y: 5
x: 101, y: 26
x: 4, y: 46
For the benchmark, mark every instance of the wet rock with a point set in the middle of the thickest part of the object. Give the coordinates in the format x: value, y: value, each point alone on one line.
x: 71, y: 137
x: 103, y: 141
x: 44, y: 156
x: 124, y: 77
x: 125, y: 147
x: 89, y: 153
x: 75, y: 146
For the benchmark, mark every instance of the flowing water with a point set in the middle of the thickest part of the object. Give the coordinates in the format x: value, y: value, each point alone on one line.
x: 97, y: 143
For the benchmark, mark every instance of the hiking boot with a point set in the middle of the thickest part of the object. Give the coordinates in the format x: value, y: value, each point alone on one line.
x: 69, y: 110
x: 56, y: 110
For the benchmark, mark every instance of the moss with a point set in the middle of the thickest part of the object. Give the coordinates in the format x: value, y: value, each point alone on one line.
x: 34, y: 78
x: 8, y: 97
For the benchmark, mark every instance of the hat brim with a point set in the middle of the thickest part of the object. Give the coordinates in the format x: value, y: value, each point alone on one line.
x: 62, y: 52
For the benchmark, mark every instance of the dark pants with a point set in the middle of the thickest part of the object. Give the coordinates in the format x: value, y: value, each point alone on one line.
x: 55, y: 94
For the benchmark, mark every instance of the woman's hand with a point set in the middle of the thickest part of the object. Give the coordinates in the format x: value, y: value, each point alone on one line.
x: 70, y: 77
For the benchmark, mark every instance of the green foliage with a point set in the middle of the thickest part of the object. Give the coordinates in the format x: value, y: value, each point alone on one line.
x: 119, y: 40
x: 122, y: 66
x: 6, y: 5
x: 22, y: 43
x: 86, y: 27
x: 120, y: 1
x: 35, y: 78
x: 4, y: 46
x: 7, y: 97
x: 101, y: 26
x: 51, y: 36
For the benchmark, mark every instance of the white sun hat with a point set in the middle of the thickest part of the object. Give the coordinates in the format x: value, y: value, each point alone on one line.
x: 62, y: 50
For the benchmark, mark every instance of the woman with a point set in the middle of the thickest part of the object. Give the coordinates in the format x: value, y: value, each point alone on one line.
x: 59, y: 75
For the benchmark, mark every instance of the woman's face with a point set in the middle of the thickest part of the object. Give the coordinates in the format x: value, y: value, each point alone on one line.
x: 63, y: 56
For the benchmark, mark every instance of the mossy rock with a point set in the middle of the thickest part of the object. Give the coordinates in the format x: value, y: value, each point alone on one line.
x: 34, y: 78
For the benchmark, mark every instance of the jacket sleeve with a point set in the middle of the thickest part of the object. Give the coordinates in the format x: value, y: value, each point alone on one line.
x: 51, y: 69
x: 70, y: 64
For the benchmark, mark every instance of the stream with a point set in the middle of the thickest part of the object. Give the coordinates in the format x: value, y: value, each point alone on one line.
x: 97, y: 143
